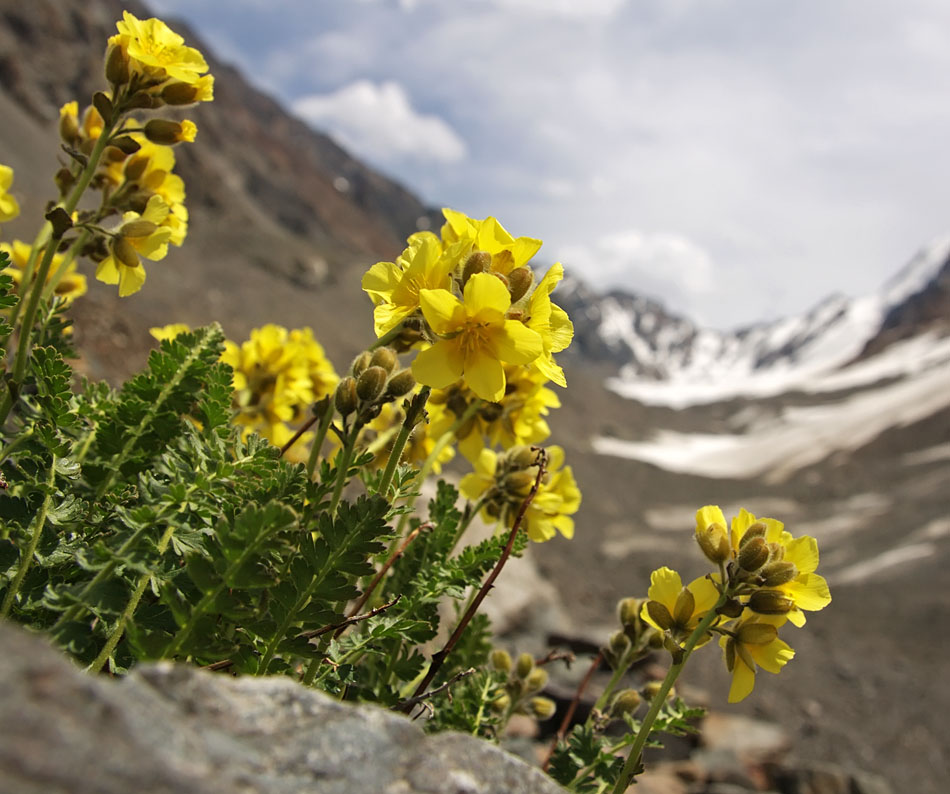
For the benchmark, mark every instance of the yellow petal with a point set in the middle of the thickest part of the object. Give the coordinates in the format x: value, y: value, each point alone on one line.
x: 705, y: 594
x: 665, y: 587
x: 131, y: 280
x: 380, y: 280
x: 803, y: 552
x: 515, y: 343
x: 442, y: 310
x: 710, y: 514
x: 743, y: 680
x: 772, y: 657
x: 486, y: 298
x: 439, y: 366
x: 471, y: 486
x: 484, y: 375
x: 107, y: 271
x: 809, y: 591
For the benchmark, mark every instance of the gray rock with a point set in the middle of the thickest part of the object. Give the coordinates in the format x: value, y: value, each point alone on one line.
x: 170, y: 729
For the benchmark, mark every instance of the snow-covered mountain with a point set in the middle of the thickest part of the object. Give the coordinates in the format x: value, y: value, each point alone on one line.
x: 666, y: 359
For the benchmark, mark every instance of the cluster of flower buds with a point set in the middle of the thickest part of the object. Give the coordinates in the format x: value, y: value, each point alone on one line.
x: 374, y: 380
x: 524, y: 681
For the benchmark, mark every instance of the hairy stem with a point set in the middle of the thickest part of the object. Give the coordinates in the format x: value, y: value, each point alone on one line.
x: 416, y: 404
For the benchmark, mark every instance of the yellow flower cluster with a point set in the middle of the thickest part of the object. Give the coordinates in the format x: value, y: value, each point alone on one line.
x: 9, y: 208
x: 278, y: 375
x: 487, y: 331
x: 70, y: 284
x: 766, y: 579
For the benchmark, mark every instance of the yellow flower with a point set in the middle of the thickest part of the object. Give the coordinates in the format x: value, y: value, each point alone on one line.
x: 792, y: 559
x: 278, y: 375
x: 504, y: 482
x: 70, y: 286
x: 551, y: 323
x: 157, y: 52
x: 753, y: 641
x: 518, y: 418
x: 168, y: 331
x: 9, y: 208
x: 507, y: 253
x: 123, y: 266
x: 395, y: 286
x: 476, y: 338
x: 677, y: 609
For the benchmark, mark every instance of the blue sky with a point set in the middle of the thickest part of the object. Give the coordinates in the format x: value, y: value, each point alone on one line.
x: 739, y: 159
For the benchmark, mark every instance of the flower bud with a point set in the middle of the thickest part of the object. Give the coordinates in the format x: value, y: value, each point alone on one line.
x: 519, y: 483
x: 524, y: 665
x: 360, y: 363
x: 178, y: 93
x: 125, y: 252
x: 684, y: 607
x: 542, y: 708
x: 537, y: 679
x: 777, y: 573
x: 628, y: 611
x: 522, y: 457
x: 477, y: 262
x: 501, y: 660
x: 626, y: 701
x: 68, y: 127
x: 117, y: 62
x: 651, y: 689
x: 370, y: 383
x: 501, y: 704
x: 400, y: 384
x: 618, y: 643
x: 168, y: 132
x: 64, y: 180
x: 731, y: 609
x: 345, y: 397
x: 714, y: 541
x: 770, y: 602
x: 134, y: 168
x: 753, y: 555
x: 756, y: 530
x: 519, y: 282
x: 384, y: 357
x: 126, y: 144
x: 102, y: 103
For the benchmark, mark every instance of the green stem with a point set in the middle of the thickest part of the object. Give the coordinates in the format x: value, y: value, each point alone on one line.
x: 10, y: 448
x: 346, y: 455
x: 622, y: 666
x: 482, y: 700
x: 68, y: 259
x: 27, y: 559
x: 119, y: 629
x: 636, y: 749
x: 311, y: 672
x: 322, y: 429
x: 412, y: 416
x: 385, y: 339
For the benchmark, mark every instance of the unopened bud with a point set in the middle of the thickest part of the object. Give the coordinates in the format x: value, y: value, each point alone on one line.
x: 524, y: 665
x: 140, y: 99
x: 400, y: 384
x: 542, y: 708
x: 126, y: 144
x: 754, y: 554
x: 477, y: 262
x: 360, y: 363
x: 501, y: 704
x: 179, y: 94
x: 519, y: 483
x: 345, y: 397
x: 68, y: 128
x: 134, y: 168
x: 770, y: 602
x: 628, y: 611
x: 167, y: 132
x: 522, y: 457
x: 124, y: 252
x: 651, y: 689
x: 777, y: 573
x: 64, y: 180
x: 537, y: 679
x: 618, y: 643
x: 756, y: 530
x: 731, y: 609
x: 626, y: 701
x: 519, y: 282
x: 501, y: 660
x: 384, y: 357
x: 714, y: 541
x: 117, y: 64
x: 370, y: 383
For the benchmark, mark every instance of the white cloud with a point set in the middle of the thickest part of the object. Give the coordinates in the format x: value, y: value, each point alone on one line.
x: 378, y: 121
x: 653, y: 263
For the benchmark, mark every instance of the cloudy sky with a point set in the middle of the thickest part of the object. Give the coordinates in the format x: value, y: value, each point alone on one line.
x: 739, y: 159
